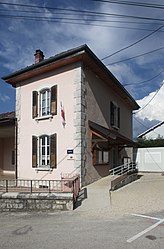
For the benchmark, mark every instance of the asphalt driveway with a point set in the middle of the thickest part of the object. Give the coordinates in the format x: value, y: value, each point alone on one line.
x: 132, y: 218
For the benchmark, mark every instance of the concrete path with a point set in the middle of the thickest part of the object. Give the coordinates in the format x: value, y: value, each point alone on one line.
x: 145, y: 195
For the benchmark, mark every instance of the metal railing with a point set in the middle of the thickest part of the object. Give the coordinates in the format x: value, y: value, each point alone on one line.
x: 124, y: 169
x: 70, y: 185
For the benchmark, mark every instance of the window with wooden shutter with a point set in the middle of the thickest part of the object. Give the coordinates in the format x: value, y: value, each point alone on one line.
x: 54, y: 100
x: 53, y: 151
x: 34, y: 151
x: 34, y: 104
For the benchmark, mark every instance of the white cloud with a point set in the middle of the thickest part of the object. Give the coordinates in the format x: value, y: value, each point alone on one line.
x: 152, y: 106
x: 4, y: 98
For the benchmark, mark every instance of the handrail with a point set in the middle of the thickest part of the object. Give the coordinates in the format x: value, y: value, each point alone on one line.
x: 124, y: 169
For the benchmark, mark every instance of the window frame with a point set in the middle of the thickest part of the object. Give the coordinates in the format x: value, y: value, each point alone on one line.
x: 50, y: 103
x: 44, y: 147
x: 100, y: 161
x: 47, y: 99
x: 114, y: 115
x: 44, y: 143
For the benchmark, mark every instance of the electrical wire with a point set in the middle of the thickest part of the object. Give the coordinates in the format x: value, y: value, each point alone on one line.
x: 142, y: 82
x: 131, y: 45
x: 152, y: 51
x: 61, y: 20
x: 143, y: 124
x: 136, y: 4
x: 82, y: 11
x: 150, y: 99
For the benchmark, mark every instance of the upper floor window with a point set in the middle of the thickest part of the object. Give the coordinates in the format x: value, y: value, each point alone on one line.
x: 44, y: 102
x: 114, y: 115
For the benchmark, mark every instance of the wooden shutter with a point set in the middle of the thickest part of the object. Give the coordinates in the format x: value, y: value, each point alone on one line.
x: 111, y: 113
x: 34, y: 151
x: 54, y: 100
x: 34, y: 104
x: 118, y: 117
x: 53, y: 151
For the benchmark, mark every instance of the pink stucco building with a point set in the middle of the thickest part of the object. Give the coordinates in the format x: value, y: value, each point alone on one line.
x: 72, y: 116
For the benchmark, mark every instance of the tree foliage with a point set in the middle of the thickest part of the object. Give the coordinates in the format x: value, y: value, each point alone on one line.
x: 147, y: 143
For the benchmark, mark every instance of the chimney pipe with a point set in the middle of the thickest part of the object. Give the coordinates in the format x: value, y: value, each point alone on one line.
x: 39, y: 56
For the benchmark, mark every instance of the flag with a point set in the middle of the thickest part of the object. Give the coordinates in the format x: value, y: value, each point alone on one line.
x: 62, y: 113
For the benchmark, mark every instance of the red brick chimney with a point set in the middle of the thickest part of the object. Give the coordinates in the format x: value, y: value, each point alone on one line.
x: 39, y: 56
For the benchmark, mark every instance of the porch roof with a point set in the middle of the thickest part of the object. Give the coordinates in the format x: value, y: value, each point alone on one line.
x: 7, y: 124
x: 112, y: 136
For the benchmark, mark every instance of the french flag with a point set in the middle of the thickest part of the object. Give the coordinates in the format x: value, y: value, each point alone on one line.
x: 62, y: 113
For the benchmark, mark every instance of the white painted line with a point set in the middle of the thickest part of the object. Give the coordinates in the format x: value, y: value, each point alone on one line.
x: 145, y: 231
x: 145, y: 216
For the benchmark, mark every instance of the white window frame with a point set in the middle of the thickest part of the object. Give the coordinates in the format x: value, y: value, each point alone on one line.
x: 46, y: 156
x: 101, y: 156
x: 47, y: 91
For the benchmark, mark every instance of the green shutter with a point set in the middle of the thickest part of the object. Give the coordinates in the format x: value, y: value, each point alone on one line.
x: 53, y: 151
x: 54, y: 100
x: 34, y: 104
x: 34, y: 151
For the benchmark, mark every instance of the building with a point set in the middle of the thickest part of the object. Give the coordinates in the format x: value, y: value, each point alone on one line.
x: 157, y: 131
x: 72, y: 116
x: 7, y: 142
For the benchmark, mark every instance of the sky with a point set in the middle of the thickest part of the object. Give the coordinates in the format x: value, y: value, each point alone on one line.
x: 127, y: 38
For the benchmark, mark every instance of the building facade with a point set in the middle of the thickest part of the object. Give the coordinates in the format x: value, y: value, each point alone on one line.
x: 73, y: 117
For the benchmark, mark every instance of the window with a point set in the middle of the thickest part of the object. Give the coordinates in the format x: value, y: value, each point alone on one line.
x: 44, y: 102
x: 44, y: 151
x: 102, y: 157
x: 114, y: 115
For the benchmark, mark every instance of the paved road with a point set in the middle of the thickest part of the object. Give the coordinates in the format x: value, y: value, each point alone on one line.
x: 126, y: 223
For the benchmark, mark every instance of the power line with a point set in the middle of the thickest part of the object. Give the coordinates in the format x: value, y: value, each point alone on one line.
x: 83, y: 11
x: 116, y: 62
x: 136, y: 4
x: 72, y: 21
x: 150, y: 99
x: 131, y: 45
x: 142, y: 82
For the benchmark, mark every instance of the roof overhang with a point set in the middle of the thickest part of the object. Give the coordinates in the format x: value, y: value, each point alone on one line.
x: 111, y: 136
x: 81, y: 54
x: 7, y: 124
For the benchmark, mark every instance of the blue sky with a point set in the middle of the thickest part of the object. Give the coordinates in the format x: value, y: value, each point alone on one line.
x: 106, y: 28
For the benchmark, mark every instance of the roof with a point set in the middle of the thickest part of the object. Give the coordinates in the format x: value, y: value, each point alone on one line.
x: 113, y: 136
x: 150, y: 129
x: 7, y: 118
x: 79, y: 54
x: 7, y: 115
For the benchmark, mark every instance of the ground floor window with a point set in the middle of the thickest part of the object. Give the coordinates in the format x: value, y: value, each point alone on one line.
x: 44, y: 151
x: 101, y: 157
